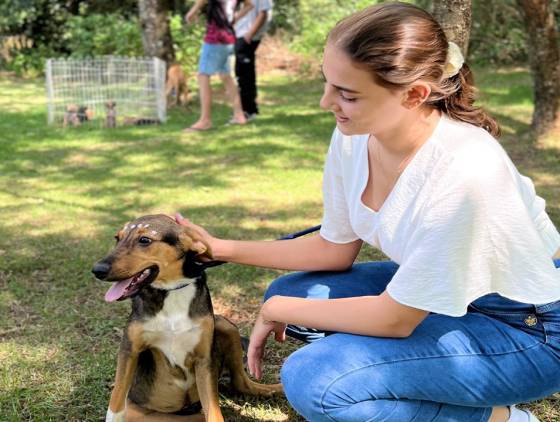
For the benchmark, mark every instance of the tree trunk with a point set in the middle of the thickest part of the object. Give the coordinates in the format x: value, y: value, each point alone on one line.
x: 156, y: 34
x: 454, y: 16
x: 544, y: 56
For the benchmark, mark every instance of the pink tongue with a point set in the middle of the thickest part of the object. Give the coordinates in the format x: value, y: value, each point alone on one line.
x: 117, y: 290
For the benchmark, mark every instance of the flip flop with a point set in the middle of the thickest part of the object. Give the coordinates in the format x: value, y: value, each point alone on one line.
x: 233, y: 122
x: 197, y: 129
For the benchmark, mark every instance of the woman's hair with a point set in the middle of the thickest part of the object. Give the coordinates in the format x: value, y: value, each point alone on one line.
x: 215, y: 13
x: 399, y: 44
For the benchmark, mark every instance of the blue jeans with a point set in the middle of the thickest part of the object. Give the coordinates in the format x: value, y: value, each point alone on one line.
x: 450, y: 369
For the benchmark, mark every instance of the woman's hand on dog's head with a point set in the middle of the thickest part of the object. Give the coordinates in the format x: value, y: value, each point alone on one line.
x: 201, y: 233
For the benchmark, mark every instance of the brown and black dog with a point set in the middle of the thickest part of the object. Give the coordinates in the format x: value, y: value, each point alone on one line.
x: 173, y: 348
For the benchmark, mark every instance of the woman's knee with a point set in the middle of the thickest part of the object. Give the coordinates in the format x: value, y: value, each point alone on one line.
x: 283, y: 286
x: 303, y: 384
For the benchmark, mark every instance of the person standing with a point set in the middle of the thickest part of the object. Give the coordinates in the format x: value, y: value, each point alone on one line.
x: 249, y: 31
x: 216, y: 49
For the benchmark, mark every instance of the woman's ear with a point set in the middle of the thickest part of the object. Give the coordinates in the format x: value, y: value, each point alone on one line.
x: 416, y: 95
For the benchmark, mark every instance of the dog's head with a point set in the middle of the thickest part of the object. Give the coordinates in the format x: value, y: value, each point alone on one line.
x: 110, y: 105
x: 72, y: 108
x: 151, y: 250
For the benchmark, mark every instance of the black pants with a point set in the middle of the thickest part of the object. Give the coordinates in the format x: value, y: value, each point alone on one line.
x: 246, y: 75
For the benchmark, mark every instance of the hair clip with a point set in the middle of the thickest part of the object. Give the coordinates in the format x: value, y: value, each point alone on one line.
x: 454, y: 60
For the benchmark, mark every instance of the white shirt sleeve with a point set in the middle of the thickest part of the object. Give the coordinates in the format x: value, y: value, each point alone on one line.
x: 537, y: 209
x: 335, y: 226
x: 475, y: 236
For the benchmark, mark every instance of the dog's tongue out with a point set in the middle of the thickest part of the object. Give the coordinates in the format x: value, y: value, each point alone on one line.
x: 117, y: 290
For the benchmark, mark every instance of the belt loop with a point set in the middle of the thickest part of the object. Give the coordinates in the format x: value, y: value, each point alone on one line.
x: 547, y: 307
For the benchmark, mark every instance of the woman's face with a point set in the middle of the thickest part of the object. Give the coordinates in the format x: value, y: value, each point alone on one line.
x: 358, y: 103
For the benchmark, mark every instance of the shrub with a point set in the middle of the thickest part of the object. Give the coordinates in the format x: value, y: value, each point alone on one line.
x: 97, y: 34
x: 187, y: 40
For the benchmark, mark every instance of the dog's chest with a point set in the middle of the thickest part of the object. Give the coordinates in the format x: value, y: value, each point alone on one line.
x: 171, y: 330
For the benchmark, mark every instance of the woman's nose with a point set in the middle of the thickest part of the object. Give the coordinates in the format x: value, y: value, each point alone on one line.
x: 326, y: 100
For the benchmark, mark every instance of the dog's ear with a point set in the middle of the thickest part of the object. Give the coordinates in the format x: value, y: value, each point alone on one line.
x: 191, y: 241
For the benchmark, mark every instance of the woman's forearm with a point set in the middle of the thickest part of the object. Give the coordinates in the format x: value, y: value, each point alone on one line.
x: 377, y: 316
x: 312, y: 253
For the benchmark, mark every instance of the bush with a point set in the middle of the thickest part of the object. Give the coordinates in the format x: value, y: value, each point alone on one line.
x: 97, y: 35
x: 187, y: 41
x: 317, y: 18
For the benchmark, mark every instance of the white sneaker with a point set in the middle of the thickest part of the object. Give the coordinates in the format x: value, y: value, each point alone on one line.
x: 251, y: 116
x: 521, y: 415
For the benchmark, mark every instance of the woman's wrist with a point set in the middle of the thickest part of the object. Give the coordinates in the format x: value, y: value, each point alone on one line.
x: 268, y: 308
x: 220, y: 249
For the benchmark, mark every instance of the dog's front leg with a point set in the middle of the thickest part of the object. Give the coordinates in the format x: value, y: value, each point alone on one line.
x: 206, y: 374
x: 127, y: 362
x: 207, y: 386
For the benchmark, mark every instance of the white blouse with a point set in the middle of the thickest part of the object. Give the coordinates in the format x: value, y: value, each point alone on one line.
x: 460, y: 221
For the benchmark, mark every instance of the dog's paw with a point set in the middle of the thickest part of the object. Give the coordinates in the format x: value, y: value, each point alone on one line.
x: 114, y: 417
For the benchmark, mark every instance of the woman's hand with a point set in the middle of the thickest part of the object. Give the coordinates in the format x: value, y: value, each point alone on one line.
x: 257, y: 342
x: 191, y: 16
x: 202, y: 234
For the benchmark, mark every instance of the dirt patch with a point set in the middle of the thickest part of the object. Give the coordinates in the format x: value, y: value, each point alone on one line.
x: 274, y: 56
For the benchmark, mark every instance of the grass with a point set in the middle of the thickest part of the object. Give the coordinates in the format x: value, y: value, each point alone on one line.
x: 63, y: 194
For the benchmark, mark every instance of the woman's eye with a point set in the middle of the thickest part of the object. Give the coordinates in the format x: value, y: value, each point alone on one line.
x: 348, y: 99
x: 143, y: 240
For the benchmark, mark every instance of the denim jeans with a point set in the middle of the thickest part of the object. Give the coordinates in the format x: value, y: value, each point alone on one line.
x: 501, y: 352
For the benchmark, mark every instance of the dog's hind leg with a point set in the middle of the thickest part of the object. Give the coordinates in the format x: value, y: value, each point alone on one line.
x: 230, y: 343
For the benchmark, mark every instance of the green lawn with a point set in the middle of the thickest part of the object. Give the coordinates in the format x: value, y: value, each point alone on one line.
x: 64, y: 193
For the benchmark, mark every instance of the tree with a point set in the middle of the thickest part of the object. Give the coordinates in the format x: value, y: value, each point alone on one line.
x: 156, y: 35
x: 544, y: 57
x: 454, y: 16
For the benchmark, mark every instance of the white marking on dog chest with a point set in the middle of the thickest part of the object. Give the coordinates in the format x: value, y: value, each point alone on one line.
x: 172, y: 331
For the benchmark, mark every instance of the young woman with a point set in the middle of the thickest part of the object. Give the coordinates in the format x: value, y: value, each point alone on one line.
x: 218, y: 45
x: 464, y: 322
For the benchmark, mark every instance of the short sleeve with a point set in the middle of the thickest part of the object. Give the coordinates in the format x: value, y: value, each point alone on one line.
x: 537, y: 209
x: 475, y: 236
x: 335, y: 226
x: 264, y: 5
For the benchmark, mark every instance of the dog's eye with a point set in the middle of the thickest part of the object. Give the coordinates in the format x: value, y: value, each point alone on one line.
x: 143, y: 240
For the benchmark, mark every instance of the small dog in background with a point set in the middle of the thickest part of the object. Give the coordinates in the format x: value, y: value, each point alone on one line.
x: 75, y: 115
x: 110, y: 114
x: 176, y: 90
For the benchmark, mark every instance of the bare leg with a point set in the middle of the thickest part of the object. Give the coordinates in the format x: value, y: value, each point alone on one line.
x: 233, y: 94
x: 205, y: 92
x: 499, y: 414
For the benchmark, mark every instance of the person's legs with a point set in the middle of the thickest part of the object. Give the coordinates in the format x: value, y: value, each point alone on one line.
x: 245, y: 73
x: 233, y: 94
x: 206, y: 67
x: 449, y: 369
x: 205, y: 94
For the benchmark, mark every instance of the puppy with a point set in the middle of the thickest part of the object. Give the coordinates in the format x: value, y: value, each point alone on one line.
x: 110, y: 114
x: 75, y: 115
x: 71, y: 116
x: 173, y: 348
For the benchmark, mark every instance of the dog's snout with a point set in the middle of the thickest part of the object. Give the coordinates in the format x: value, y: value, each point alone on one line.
x: 101, y: 269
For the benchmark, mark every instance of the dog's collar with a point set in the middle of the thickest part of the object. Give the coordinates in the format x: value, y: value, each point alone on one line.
x: 182, y: 286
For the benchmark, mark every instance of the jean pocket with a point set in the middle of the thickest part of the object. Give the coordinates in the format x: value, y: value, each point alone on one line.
x: 552, y: 331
